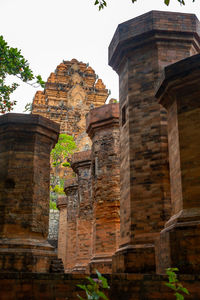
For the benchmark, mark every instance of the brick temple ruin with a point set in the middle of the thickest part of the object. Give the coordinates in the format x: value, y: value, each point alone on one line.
x: 133, y: 208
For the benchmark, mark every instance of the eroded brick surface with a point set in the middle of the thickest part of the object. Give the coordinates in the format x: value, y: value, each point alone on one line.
x: 139, y: 51
x: 179, y: 93
x: 25, y: 145
x: 81, y: 164
x: 103, y: 129
x: 68, y: 250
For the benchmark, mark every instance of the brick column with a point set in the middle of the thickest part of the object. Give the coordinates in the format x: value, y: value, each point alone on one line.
x: 81, y: 163
x: 180, y: 94
x: 25, y: 145
x: 71, y: 190
x: 62, y: 230
x: 139, y: 50
x: 103, y: 129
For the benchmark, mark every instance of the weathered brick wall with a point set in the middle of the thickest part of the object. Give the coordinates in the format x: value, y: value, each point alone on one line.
x: 19, y: 286
x: 139, y: 51
x: 179, y: 93
x: 69, y: 253
x: 81, y: 164
x: 103, y: 129
x: 25, y: 145
x: 62, y: 231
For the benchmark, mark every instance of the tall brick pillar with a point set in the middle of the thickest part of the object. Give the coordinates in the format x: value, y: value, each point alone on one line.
x: 25, y: 145
x: 138, y: 52
x: 62, y: 230
x: 180, y: 94
x: 103, y: 128
x: 81, y: 164
x: 71, y: 190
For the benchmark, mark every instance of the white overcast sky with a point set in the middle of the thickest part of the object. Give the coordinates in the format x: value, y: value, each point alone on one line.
x: 49, y: 31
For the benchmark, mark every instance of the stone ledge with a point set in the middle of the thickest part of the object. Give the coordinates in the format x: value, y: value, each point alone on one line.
x: 147, y: 26
x: 178, y: 76
x: 15, y: 118
x: 81, y: 156
x: 104, y: 116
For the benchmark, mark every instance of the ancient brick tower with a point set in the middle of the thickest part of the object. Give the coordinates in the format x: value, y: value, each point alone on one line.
x: 70, y: 92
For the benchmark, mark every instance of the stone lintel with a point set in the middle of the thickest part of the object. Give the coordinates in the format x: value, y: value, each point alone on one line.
x: 152, y: 26
x: 81, y: 159
x: 101, y: 117
x: 177, y: 79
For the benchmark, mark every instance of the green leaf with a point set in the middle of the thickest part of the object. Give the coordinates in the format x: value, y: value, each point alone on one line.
x: 179, y: 296
x: 81, y: 286
x: 167, y: 2
x: 91, y: 280
x: 171, y: 286
x: 184, y: 290
x: 102, y: 295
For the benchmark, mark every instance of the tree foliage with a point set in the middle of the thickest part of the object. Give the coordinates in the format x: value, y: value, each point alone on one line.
x: 102, y: 3
x: 62, y: 150
x: 60, y: 156
x: 12, y: 62
x: 93, y: 289
x: 174, y: 284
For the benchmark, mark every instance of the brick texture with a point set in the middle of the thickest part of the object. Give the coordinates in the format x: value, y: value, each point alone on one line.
x: 139, y: 51
x: 179, y: 93
x: 71, y: 190
x: 63, y: 287
x: 62, y: 230
x: 103, y: 129
x: 25, y: 145
x: 81, y: 164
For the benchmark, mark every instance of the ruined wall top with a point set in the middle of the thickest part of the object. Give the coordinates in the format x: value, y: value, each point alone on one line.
x: 103, y: 116
x: 177, y: 78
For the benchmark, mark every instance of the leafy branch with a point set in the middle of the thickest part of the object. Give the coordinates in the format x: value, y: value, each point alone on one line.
x: 12, y: 62
x: 92, y: 289
x: 102, y: 3
x: 174, y: 283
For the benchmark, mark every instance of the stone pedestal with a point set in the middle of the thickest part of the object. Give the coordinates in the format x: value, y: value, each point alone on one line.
x: 25, y: 145
x: 71, y: 191
x: 81, y: 164
x: 139, y: 51
x: 103, y: 129
x: 180, y: 94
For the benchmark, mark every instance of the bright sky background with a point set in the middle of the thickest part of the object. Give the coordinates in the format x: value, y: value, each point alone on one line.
x: 50, y: 31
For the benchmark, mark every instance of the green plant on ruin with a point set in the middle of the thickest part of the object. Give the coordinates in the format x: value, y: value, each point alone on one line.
x: 60, y: 155
x: 64, y: 148
x: 52, y: 205
x: 174, y: 284
x: 12, y: 62
x: 94, y: 287
x: 56, y: 187
x: 102, y: 3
